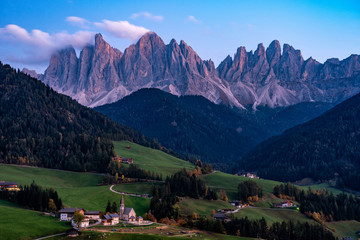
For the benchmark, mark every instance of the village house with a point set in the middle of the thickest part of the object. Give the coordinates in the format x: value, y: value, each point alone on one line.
x: 239, y: 204
x: 83, y: 224
x: 66, y: 214
x: 111, y: 219
x: 107, y: 220
x: 220, y: 216
x: 9, y: 186
x: 250, y: 175
x: 283, y: 204
x: 126, y: 214
x: 124, y: 160
x: 93, y: 215
x: 115, y: 218
x: 127, y: 160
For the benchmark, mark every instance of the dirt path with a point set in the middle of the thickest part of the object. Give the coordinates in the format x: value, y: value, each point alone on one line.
x: 128, y: 194
x: 50, y: 236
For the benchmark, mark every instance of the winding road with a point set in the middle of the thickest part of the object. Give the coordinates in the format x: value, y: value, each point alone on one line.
x: 128, y: 194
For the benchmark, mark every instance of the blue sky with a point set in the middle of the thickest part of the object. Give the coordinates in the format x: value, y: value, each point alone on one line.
x: 30, y: 31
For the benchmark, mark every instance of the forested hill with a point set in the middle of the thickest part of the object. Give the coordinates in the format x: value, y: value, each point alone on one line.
x: 188, y: 124
x: 324, y: 148
x: 43, y: 128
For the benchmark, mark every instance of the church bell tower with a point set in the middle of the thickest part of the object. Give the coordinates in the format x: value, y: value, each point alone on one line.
x: 122, y: 207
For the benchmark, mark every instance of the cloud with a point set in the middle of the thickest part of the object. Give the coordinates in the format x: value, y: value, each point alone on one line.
x: 147, y: 15
x: 122, y: 29
x: 78, y: 21
x: 37, y: 46
x: 250, y: 27
x: 193, y: 19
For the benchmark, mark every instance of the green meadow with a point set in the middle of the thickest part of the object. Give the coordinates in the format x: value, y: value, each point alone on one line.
x: 272, y: 215
x: 202, y: 207
x: 229, y: 183
x: 151, y: 159
x: 75, y: 189
x: 19, y: 223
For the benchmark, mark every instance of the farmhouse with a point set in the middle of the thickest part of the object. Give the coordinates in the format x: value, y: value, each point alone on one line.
x: 94, y: 215
x: 111, y: 219
x: 127, y: 160
x: 220, y: 216
x: 67, y: 213
x: 251, y: 175
x: 124, y: 160
x: 10, y: 186
x: 83, y: 224
x: 283, y: 204
x: 126, y: 214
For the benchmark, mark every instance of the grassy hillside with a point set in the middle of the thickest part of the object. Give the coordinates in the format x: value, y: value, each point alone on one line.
x: 75, y: 189
x: 273, y: 215
x: 345, y: 228
x: 201, y: 207
x: 151, y: 159
x: 18, y: 223
x: 48, y: 177
x: 229, y: 183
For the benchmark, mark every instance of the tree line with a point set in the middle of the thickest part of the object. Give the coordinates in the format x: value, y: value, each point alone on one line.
x: 34, y: 197
x: 181, y: 184
x: 120, y: 174
x: 322, y: 205
x: 249, y: 191
x: 245, y: 227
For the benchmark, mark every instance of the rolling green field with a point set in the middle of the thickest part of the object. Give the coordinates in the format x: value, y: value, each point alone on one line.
x: 151, y: 159
x: 81, y: 190
x: 229, y: 183
x: 19, y: 223
x: 345, y: 228
x: 201, y: 207
x: 75, y: 189
x: 137, y: 188
x: 48, y: 177
x: 273, y: 215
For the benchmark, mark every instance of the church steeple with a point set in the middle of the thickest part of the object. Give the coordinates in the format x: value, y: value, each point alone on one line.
x: 122, y: 207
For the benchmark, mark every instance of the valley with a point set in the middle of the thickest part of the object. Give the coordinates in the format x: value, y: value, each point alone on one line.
x: 82, y: 190
x: 180, y: 120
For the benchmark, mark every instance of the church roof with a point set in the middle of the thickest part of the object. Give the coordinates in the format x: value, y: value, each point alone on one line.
x: 127, y: 210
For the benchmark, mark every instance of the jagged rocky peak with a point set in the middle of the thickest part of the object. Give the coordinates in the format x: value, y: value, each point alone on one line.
x: 260, y: 51
x: 210, y: 65
x: 271, y: 76
x: 62, y: 70
x: 273, y: 53
x: 150, y: 38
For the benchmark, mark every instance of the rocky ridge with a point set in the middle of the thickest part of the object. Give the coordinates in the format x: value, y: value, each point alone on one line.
x: 266, y: 77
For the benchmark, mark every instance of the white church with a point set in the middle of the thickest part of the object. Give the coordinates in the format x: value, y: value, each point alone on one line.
x: 126, y: 214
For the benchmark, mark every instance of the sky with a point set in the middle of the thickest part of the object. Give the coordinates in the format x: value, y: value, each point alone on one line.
x: 31, y: 31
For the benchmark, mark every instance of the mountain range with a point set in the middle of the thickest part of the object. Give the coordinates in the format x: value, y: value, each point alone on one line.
x: 271, y: 77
